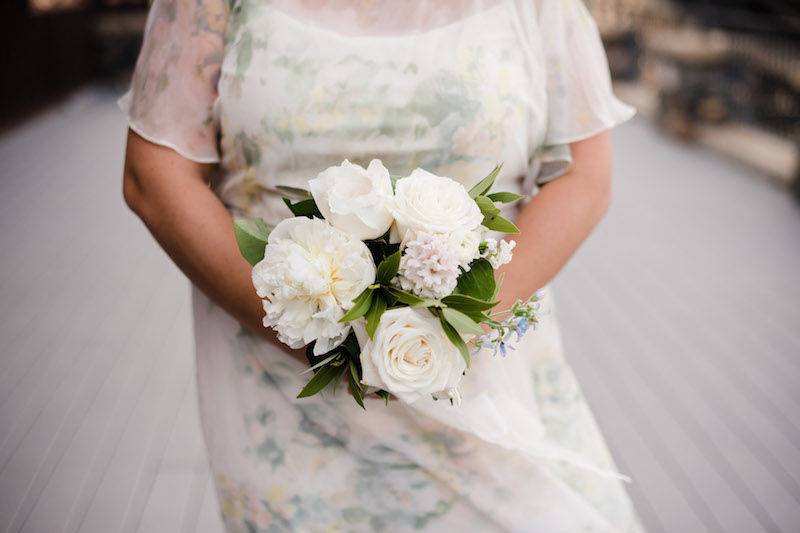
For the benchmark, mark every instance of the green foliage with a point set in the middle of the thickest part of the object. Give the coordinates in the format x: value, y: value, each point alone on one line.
x: 303, y: 208
x: 374, y: 314
x: 405, y: 297
x: 487, y: 207
x: 498, y: 286
x: 479, y: 281
x: 499, y: 223
x: 385, y: 395
x: 461, y: 322
x: 465, y: 303
x: 455, y: 338
x: 387, y: 269
x: 483, y: 186
x: 293, y: 193
x: 360, y: 307
x: 321, y: 379
x: 505, y: 197
x: 251, y: 236
x: 356, y: 389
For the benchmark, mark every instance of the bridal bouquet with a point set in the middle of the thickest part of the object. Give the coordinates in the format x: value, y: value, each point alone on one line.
x: 385, y: 280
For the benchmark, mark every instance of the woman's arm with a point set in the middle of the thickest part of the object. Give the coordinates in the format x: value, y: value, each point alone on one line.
x: 558, y: 219
x: 171, y: 195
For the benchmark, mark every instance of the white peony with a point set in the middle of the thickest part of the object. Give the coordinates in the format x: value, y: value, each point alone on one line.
x: 410, y: 356
x: 429, y: 266
x: 353, y: 199
x: 433, y: 204
x: 310, y: 274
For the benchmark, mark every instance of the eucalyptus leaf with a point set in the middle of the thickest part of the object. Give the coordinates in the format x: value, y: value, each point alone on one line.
x: 374, y: 314
x: 478, y: 281
x: 456, y: 339
x: 251, y: 237
x: 483, y: 186
x: 360, y: 307
x: 388, y: 268
x: 321, y: 379
x: 461, y: 322
x: 505, y: 197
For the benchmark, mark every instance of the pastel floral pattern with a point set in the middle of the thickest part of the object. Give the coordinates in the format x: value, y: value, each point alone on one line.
x: 275, y: 91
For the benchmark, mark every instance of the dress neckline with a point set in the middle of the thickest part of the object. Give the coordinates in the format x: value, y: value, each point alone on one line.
x: 444, y: 28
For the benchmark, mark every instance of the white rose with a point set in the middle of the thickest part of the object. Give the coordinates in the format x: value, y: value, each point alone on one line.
x: 310, y: 274
x: 433, y: 204
x: 409, y: 356
x: 355, y: 200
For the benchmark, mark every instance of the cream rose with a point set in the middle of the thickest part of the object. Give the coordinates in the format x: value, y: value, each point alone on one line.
x: 409, y: 356
x: 353, y: 199
x: 310, y: 274
x: 433, y: 204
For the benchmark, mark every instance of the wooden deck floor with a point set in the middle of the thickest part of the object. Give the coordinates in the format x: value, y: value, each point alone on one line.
x: 680, y: 317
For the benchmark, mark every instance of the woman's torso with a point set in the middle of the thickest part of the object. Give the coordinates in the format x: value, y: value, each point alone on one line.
x: 297, y: 96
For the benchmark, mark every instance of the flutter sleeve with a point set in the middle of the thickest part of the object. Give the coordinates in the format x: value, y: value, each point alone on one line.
x: 173, y: 92
x: 580, y: 99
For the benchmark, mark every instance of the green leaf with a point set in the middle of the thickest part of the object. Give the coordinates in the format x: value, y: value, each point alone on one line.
x: 498, y: 285
x: 487, y: 206
x: 360, y: 307
x: 505, y: 197
x: 465, y: 303
x: 383, y: 394
x: 326, y: 360
x: 405, y: 297
x: 355, y: 386
x: 293, y: 193
x: 350, y: 344
x: 251, y: 236
x: 479, y: 281
x: 483, y: 186
x: 321, y: 379
x: 456, y: 339
x: 374, y: 314
x: 303, y: 208
x: 498, y: 223
x: 388, y: 268
x: 461, y: 322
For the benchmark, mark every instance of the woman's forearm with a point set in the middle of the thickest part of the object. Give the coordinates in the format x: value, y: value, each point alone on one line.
x: 171, y: 196
x: 558, y: 219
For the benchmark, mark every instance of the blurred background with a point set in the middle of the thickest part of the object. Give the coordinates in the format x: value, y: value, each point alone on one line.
x: 681, y: 314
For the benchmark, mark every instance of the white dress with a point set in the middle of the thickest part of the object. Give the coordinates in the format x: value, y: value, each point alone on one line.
x: 275, y: 91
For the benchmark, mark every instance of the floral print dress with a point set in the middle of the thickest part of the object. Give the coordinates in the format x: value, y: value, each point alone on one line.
x: 275, y: 91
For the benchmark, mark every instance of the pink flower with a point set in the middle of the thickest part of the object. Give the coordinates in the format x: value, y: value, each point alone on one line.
x: 429, y: 266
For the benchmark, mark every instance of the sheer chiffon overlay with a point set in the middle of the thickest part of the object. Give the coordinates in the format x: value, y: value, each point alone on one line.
x: 275, y: 91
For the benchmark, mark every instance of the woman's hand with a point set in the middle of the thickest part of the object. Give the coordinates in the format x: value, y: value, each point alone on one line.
x: 171, y: 195
x: 558, y: 219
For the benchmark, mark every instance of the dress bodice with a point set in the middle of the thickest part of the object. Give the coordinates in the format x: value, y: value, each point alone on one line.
x: 277, y: 90
x: 295, y: 98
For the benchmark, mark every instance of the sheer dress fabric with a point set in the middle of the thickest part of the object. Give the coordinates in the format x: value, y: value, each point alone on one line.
x: 274, y: 92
